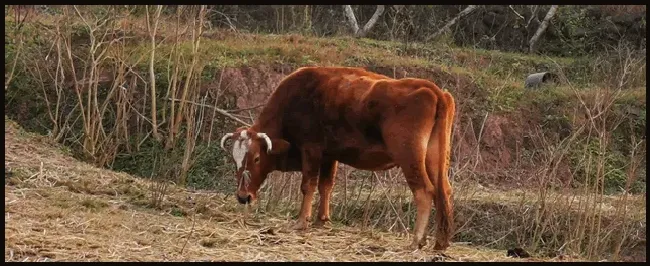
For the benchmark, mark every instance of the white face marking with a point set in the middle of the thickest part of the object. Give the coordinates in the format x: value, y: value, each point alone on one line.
x: 240, y: 148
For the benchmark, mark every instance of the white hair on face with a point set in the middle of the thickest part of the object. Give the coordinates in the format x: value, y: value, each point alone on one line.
x: 240, y: 148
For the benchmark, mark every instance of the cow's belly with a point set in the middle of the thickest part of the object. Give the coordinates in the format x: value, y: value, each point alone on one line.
x: 366, y: 158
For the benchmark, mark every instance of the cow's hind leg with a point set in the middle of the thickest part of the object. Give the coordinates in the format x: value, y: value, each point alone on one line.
x: 437, y: 163
x: 437, y: 173
x: 325, y: 185
x: 407, y: 135
x: 409, y: 155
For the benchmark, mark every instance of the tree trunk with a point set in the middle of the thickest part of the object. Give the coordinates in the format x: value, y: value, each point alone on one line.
x: 361, y: 32
x: 453, y: 21
x: 152, y: 25
x: 351, y: 18
x: 307, y: 21
x: 542, y: 28
x: 292, y: 9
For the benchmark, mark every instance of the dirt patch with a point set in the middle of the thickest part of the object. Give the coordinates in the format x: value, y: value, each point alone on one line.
x: 495, y: 152
x: 251, y: 86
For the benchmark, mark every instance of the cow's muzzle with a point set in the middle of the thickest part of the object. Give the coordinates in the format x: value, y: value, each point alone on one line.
x: 244, y: 199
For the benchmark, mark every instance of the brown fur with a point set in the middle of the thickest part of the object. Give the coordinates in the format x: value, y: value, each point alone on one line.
x: 319, y: 116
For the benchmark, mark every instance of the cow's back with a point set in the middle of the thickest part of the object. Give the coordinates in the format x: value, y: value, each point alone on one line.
x: 339, y: 109
x: 326, y: 101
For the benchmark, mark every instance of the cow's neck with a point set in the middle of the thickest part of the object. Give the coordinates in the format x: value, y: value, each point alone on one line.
x: 270, y: 121
x: 269, y: 125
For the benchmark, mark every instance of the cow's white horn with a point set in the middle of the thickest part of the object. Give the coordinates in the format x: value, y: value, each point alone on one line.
x: 266, y: 138
x: 223, y: 140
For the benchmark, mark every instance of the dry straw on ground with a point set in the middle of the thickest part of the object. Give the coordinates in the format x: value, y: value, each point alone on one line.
x: 60, y: 209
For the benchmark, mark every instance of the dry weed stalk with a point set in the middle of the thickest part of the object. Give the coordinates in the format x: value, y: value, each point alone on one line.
x: 152, y: 33
x: 105, y: 83
x: 194, y: 123
x: 13, y: 65
x: 159, y: 186
x: 621, y: 211
x: 197, y: 30
x: 588, y: 235
x: 173, y: 83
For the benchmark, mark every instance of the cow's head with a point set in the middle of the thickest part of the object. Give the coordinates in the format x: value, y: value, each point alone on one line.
x: 254, y: 154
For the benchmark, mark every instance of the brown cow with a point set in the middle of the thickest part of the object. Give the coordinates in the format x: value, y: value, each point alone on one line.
x: 319, y: 116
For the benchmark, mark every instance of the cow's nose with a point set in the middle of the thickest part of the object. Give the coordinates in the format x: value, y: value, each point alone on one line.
x: 244, y: 200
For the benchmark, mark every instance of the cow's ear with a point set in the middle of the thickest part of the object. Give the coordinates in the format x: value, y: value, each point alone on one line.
x: 279, y: 146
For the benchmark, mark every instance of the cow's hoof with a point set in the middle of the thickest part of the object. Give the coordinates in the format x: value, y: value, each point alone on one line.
x: 441, y: 257
x: 439, y: 246
x: 323, y: 223
x: 300, y: 225
x: 411, y: 247
x: 415, y: 245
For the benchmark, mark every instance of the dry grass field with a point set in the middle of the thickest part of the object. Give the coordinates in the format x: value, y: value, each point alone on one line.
x: 60, y: 209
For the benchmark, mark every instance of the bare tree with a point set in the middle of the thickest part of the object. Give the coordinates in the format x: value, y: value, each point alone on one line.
x: 306, y: 25
x: 533, y: 15
x: 453, y: 21
x: 152, y: 33
x: 358, y: 32
x: 542, y: 27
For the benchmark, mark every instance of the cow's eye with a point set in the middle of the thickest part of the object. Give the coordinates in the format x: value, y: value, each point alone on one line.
x: 257, y: 159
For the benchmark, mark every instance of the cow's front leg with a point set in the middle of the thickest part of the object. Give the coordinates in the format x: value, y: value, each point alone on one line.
x: 310, y: 171
x: 308, y: 188
x: 325, y: 185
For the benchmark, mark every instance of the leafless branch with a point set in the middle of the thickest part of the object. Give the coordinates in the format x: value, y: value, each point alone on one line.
x: 533, y: 11
x: 518, y: 15
x: 542, y: 27
x: 230, y: 24
x: 219, y: 110
x: 13, y: 66
x: 453, y: 21
x: 246, y: 109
